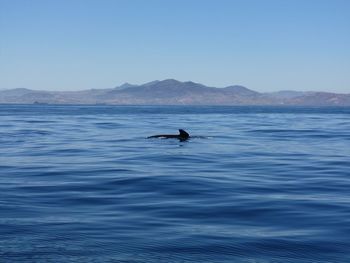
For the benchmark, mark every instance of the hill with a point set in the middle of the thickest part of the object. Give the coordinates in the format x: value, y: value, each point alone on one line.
x: 173, y: 92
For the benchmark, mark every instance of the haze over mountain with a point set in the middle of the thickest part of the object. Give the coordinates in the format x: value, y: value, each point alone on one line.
x: 173, y: 92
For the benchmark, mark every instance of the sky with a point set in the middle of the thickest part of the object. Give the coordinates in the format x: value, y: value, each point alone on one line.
x: 264, y: 45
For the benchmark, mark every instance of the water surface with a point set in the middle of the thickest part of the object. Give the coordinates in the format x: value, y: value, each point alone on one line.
x: 259, y: 184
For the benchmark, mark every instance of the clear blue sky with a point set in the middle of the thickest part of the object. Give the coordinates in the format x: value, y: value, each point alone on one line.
x: 265, y: 45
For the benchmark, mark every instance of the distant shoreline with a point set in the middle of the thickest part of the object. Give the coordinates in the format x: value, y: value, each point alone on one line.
x: 174, y: 92
x: 172, y: 105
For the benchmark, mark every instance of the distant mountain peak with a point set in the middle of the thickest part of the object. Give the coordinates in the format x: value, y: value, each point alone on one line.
x: 174, y: 92
x: 125, y: 86
x: 170, y: 81
x: 151, y: 83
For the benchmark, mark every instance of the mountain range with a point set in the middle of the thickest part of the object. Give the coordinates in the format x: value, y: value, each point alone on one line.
x: 173, y: 92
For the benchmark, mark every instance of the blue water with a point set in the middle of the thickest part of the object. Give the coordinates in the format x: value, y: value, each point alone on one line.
x: 259, y: 184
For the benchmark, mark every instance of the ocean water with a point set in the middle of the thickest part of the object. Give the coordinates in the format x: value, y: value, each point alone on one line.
x: 255, y: 184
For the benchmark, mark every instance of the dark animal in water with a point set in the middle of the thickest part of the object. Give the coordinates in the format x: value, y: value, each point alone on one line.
x: 182, y: 136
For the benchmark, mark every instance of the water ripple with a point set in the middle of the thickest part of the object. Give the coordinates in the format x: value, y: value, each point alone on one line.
x: 254, y: 184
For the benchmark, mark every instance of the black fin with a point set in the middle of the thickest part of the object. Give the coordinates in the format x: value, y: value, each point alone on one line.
x: 183, y: 134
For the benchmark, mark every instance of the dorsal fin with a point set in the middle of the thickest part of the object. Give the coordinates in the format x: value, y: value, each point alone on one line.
x: 183, y: 133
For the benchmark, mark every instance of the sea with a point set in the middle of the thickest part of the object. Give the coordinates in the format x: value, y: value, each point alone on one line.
x: 253, y: 184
